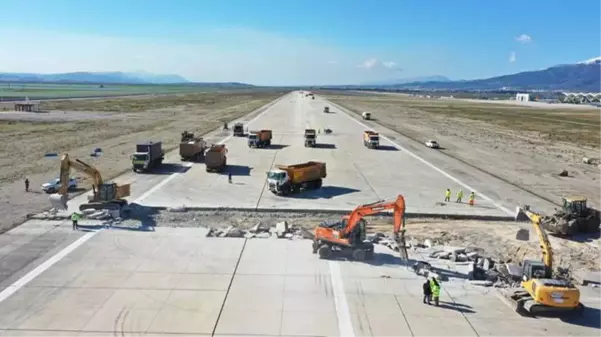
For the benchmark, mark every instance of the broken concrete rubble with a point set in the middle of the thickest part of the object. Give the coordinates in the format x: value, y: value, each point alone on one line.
x: 281, y: 230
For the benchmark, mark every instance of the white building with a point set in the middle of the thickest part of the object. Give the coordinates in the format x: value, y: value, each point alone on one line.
x: 522, y: 97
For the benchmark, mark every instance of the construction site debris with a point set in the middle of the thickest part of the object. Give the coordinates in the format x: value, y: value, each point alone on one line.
x: 563, y: 173
x: 181, y: 208
x: 259, y: 231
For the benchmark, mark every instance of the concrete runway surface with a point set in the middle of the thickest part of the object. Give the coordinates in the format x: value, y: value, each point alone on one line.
x: 177, y: 281
x: 168, y: 281
x: 356, y: 175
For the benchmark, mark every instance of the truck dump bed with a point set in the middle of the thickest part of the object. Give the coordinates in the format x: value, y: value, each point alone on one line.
x: 215, y: 156
x: 263, y: 134
x: 191, y: 148
x: 310, y: 133
x: 305, y: 172
x: 154, y: 148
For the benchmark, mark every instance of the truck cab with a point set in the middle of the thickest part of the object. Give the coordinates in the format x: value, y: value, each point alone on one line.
x: 310, y: 138
x: 277, y: 178
x: 253, y: 139
x: 140, y: 160
x: 238, y: 129
x: 371, y: 139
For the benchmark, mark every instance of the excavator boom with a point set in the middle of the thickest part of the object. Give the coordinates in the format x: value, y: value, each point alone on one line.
x: 102, y: 193
x: 349, y: 235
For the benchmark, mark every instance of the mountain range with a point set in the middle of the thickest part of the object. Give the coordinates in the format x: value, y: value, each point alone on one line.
x: 419, y: 79
x: 584, y: 76
x: 115, y: 77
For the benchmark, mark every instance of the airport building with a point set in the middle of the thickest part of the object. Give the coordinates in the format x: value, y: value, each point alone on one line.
x: 581, y: 97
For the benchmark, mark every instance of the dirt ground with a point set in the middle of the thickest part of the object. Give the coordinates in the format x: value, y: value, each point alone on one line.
x: 114, y: 125
x: 526, y: 146
x: 495, y: 239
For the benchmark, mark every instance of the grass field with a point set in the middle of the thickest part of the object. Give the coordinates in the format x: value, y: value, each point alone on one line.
x: 18, y: 91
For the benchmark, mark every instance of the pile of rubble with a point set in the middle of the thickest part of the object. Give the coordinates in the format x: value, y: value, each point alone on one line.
x: 484, y: 271
x: 281, y: 230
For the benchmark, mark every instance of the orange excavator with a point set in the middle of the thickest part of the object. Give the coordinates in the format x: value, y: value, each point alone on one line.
x: 348, y: 236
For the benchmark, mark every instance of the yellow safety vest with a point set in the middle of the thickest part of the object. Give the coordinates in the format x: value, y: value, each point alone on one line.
x: 74, y: 217
x: 448, y: 193
x: 435, y: 289
x: 460, y: 194
x: 472, y: 197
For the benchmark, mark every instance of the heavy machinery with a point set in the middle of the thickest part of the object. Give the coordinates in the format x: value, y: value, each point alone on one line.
x: 542, y: 292
x: 326, y: 109
x: 215, y: 158
x: 348, y: 236
x: 284, y: 180
x: 107, y: 196
x: 192, y: 148
x: 259, y: 138
x: 148, y: 155
x: 239, y: 130
x: 371, y: 139
x: 574, y: 217
x: 310, y: 137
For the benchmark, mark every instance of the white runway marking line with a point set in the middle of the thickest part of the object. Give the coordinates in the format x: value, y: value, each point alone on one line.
x: 20, y: 283
x: 457, y: 181
x: 345, y: 325
x: 173, y: 175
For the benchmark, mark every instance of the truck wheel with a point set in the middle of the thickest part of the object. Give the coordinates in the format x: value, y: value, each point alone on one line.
x: 318, y: 183
x: 268, y: 143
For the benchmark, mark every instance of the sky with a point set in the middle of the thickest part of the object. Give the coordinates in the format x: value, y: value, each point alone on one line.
x: 286, y: 42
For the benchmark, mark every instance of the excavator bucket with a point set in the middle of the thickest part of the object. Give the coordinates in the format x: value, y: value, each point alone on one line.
x: 522, y: 235
x: 59, y: 201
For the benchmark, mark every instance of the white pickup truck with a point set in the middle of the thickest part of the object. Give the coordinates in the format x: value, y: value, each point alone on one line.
x: 432, y: 144
x: 53, y: 185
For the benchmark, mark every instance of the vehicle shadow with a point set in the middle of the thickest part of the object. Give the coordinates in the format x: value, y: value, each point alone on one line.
x: 146, y: 215
x: 325, y: 192
x: 588, y: 317
x: 169, y: 168
x: 276, y: 147
x: 324, y: 146
x: 236, y: 170
x: 581, y: 237
x: 387, y: 148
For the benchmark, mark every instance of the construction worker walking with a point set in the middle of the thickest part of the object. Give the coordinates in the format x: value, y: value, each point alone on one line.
x: 26, y: 185
x: 471, y: 198
x: 435, y: 286
x: 447, y: 195
x: 459, y: 196
x: 75, y: 218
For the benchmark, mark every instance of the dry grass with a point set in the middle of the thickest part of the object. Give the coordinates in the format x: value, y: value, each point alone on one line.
x: 580, y: 127
x: 24, y: 143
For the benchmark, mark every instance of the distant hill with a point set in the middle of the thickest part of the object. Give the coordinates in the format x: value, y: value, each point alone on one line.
x: 420, y: 79
x: 583, y: 76
x: 115, y: 77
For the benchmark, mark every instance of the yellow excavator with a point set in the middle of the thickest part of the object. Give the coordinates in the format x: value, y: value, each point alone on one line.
x: 542, y: 293
x: 107, y: 196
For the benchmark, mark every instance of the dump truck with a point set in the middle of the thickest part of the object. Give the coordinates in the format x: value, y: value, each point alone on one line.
x: 239, y: 130
x: 285, y: 180
x: 259, y: 138
x: 215, y: 158
x: 371, y: 139
x: 310, y: 138
x: 366, y: 115
x: 192, y: 148
x: 326, y: 109
x: 148, y: 155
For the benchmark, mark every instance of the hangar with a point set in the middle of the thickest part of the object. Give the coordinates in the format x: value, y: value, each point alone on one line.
x: 581, y: 97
